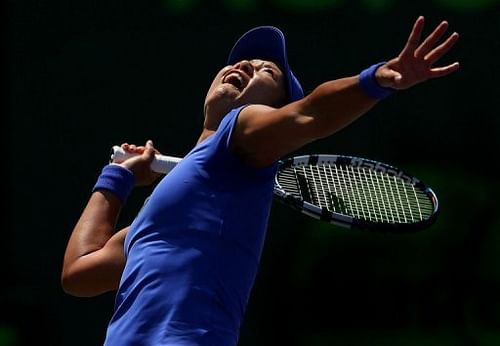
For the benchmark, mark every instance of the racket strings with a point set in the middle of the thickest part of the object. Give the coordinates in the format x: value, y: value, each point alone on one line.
x: 358, y: 192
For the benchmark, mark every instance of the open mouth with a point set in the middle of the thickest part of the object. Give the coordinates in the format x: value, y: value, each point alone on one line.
x: 235, y: 79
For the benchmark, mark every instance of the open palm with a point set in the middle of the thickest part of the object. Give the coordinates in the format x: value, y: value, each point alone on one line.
x: 415, y: 62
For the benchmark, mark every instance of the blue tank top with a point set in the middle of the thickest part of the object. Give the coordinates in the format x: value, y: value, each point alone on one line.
x: 193, y: 250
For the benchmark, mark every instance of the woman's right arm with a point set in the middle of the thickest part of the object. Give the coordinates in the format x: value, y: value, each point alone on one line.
x: 94, y: 257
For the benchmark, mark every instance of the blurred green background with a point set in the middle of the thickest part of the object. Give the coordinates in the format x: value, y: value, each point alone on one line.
x: 82, y: 76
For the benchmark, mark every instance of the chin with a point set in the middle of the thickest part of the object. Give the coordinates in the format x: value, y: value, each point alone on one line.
x: 221, y: 101
x: 227, y: 92
x: 225, y: 97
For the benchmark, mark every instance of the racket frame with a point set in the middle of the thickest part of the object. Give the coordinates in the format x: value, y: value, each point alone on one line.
x: 347, y: 221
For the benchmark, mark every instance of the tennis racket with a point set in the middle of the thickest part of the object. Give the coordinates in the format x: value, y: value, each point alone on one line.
x: 343, y: 190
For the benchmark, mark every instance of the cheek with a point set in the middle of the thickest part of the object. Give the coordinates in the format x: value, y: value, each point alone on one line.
x: 267, y: 87
x: 274, y: 91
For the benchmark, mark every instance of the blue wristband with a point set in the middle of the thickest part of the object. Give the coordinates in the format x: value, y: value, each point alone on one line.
x: 369, y: 83
x: 116, y: 179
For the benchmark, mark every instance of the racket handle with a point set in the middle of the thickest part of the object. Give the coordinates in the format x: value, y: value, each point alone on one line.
x: 160, y: 164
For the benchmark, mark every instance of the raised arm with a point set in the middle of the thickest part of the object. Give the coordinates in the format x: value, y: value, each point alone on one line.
x: 265, y: 134
x: 94, y: 257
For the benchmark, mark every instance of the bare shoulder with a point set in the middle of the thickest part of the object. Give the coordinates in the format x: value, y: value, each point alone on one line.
x: 250, y: 126
x: 256, y: 110
x: 254, y: 118
x: 264, y: 134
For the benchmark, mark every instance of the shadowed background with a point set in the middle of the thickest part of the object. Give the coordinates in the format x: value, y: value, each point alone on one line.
x: 83, y: 76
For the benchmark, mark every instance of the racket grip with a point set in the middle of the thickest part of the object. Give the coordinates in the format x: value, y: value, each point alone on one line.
x: 160, y: 164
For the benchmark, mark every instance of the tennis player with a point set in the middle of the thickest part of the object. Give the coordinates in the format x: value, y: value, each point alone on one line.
x: 185, y: 267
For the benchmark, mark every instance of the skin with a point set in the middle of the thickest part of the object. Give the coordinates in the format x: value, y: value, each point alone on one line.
x: 94, y: 258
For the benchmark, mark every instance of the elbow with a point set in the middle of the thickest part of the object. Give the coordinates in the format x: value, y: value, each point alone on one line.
x: 69, y: 284
x: 73, y: 285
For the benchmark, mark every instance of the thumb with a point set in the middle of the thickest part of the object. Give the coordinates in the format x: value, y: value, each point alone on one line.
x: 389, y: 78
x: 149, y: 151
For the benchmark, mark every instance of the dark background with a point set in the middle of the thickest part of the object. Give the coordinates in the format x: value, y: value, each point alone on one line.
x: 83, y: 76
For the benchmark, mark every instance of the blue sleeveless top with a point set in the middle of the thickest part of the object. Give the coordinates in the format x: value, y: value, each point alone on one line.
x: 193, y: 250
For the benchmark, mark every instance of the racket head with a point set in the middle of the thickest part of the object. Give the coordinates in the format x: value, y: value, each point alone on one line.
x: 355, y: 192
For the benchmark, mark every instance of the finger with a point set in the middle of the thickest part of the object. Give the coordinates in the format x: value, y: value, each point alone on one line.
x: 126, y: 147
x: 431, y: 40
x: 436, y: 54
x: 445, y: 70
x: 414, y: 38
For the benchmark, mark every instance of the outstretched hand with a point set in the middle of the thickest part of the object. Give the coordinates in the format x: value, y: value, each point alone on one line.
x: 414, y: 64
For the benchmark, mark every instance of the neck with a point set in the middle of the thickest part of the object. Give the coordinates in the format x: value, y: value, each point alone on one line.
x: 210, y: 124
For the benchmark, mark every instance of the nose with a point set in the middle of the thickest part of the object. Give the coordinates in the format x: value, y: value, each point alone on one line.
x: 246, y: 66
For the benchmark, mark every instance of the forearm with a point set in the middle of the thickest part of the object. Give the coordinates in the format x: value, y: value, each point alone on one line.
x: 334, y: 105
x: 97, y: 221
x: 95, y: 226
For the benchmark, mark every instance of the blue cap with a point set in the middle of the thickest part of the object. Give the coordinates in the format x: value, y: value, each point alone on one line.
x: 267, y: 43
